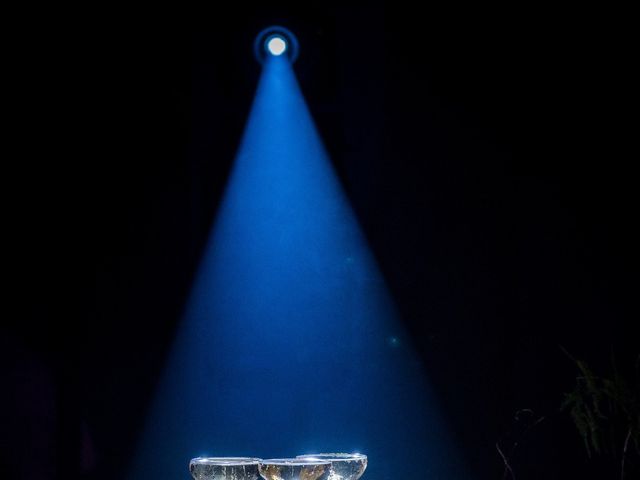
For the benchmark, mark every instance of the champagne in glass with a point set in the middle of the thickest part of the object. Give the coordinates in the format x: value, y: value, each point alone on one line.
x: 294, y: 469
x: 224, y: 468
x: 344, y: 466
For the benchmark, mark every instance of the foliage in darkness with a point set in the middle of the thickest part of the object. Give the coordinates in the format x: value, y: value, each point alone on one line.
x: 606, y: 412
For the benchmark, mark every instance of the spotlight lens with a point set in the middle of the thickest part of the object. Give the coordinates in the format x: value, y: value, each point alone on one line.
x: 276, y: 46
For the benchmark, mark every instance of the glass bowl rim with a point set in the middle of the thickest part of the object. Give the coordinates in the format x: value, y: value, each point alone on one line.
x: 294, y: 461
x: 335, y: 457
x: 225, y: 461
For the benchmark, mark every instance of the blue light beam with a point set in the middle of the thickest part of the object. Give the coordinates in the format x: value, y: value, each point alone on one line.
x: 290, y: 343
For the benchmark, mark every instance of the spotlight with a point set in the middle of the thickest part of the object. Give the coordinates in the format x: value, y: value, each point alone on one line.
x: 276, y: 41
x: 277, y: 45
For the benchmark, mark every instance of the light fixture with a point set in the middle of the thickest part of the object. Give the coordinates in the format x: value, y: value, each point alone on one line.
x: 276, y: 45
x: 276, y: 41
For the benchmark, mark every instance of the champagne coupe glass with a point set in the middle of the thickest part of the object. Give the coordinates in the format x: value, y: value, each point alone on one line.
x: 344, y: 466
x: 295, y: 469
x: 224, y: 468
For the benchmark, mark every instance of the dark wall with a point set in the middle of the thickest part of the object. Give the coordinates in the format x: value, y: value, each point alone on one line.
x: 484, y: 150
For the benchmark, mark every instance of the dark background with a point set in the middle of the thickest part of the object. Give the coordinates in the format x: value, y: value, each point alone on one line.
x: 485, y: 150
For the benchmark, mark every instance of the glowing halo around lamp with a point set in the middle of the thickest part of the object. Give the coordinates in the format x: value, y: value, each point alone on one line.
x: 276, y: 41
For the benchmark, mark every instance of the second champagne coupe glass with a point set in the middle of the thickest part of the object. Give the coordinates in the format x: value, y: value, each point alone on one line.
x: 224, y: 468
x: 344, y: 466
x: 295, y: 469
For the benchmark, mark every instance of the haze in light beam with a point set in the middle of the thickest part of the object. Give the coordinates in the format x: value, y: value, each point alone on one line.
x: 290, y: 343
